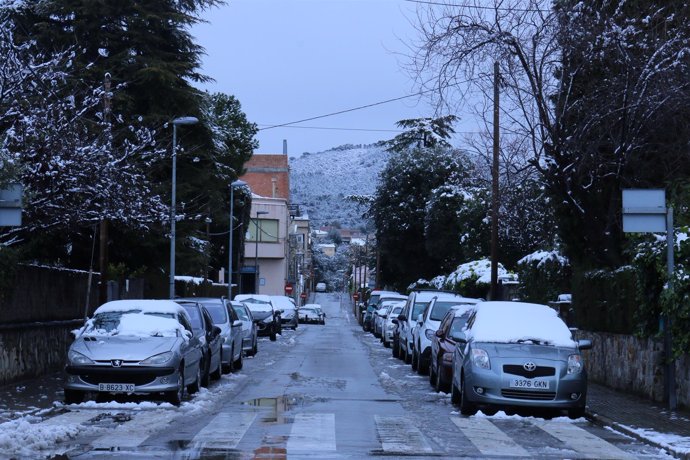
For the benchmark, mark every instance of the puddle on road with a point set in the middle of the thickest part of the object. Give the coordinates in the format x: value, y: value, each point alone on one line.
x: 277, y: 407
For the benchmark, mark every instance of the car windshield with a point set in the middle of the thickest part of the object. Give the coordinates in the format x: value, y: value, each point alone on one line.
x: 373, y: 300
x: 258, y: 305
x: 218, y: 313
x: 194, y: 316
x: 134, y: 323
x: 441, y: 308
x: 242, y: 313
x: 397, y: 310
x: 308, y: 310
x: 458, y: 324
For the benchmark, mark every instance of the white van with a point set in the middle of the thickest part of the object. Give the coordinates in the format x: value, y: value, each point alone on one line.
x: 320, y: 287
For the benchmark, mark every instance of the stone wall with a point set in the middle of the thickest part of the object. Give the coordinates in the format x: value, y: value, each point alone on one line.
x: 633, y: 365
x: 31, y: 350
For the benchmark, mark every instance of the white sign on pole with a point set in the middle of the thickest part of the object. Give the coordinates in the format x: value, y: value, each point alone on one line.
x: 644, y: 210
x: 11, y: 206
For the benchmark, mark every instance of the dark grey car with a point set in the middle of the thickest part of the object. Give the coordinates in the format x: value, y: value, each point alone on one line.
x: 134, y: 347
x: 209, y: 336
x: 230, y: 330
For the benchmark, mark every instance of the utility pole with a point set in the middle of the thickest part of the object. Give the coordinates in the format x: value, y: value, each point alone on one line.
x: 493, y: 293
x: 103, y: 226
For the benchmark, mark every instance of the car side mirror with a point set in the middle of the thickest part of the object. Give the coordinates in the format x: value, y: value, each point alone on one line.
x: 215, y: 332
x: 324, y: 315
x: 279, y: 312
x: 584, y: 344
x: 187, y: 334
x: 395, y: 321
x: 237, y: 323
x: 402, y: 317
x: 439, y: 333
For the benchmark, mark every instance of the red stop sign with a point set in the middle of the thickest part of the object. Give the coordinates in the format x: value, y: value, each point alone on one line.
x: 355, y: 296
x: 288, y: 289
x: 303, y: 295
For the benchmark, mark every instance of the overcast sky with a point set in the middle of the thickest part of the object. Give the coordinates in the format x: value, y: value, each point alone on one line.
x: 287, y: 60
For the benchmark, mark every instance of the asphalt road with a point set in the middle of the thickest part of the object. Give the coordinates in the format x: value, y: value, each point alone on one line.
x: 328, y: 391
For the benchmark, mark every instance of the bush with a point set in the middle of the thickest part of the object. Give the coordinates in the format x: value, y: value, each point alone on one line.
x: 606, y: 301
x: 543, y: 275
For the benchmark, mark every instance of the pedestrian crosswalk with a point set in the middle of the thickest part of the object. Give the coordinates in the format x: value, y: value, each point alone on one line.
x: 315, y: 435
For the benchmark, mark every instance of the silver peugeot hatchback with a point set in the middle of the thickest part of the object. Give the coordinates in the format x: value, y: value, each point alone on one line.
x: 516, y: 355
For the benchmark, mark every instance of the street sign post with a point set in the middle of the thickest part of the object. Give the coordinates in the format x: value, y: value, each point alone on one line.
x: 644, y: 211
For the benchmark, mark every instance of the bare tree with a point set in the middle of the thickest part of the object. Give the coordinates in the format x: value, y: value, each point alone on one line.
x: 585, y: 86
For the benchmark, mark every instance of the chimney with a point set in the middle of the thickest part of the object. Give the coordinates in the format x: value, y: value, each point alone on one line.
x: 284, y: 146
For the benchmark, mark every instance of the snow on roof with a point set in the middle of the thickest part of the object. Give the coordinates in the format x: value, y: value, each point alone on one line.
x: 145, y: 305
x: 510, y: 322
x: 144, y: 325
x: 190, y: 279
x: 261, y: 297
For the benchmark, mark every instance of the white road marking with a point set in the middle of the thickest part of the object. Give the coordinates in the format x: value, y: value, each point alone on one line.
x: 69, y: 418
x: 226, y: 430
x: 312, y: 433
x: 133, y: 432
x: 488, y: 438
x: 582, y: 441
x: 399, y: 435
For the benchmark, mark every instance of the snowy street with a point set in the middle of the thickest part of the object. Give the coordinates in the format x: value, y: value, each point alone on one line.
x: 319, y: 392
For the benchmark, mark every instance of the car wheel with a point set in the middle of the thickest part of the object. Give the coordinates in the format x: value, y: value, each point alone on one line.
x: 454, y: 394
x: 215, y: 375
x: 414, y: 360
x: 205, y: 376
x: 578, y: 412
x: 196, y: 385
x: 432, y: 377
x: 396, y: 352
x: 74, y: 396
x: 422, y: 367
x: 466, y: 407
x: 174, y: 397
x: 407, y: 356
x: 440, y: 384
x: 255, y: 348
x: 237, y: 364
x: 386, y: 344
x: 273, y: 336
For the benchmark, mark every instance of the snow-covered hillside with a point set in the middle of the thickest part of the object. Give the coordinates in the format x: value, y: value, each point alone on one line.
x: 321, y: 182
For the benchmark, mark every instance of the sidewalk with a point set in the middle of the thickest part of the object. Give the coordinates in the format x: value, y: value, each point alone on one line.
x: 645, y: 420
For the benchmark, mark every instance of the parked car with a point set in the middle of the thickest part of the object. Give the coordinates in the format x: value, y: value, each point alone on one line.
x: 134, y: 346
x: 249, y: 331
x: 368, y: 323
x: 518, y: 355
x: 417, y: 300
x: 312, y: 313
x: 389, y: 326
x: 230, y: 330
x: 286, y: 305
x: 266, y: 316
x: 209, y: 336
x: 320, y: 287
x: 372, y: 300
x: 443, y: 345
x: 427, y: 324
x: 380, y: 316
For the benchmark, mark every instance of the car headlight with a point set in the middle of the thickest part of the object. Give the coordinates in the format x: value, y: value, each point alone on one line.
x: 480, y: 358
x: 75, y: 357
x: 429, y: 333
x: 159, y: 359
x: 574, y: 364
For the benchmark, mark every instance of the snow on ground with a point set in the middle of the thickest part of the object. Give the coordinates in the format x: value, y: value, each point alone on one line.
x: 25, y: 437
x: 669, y: 441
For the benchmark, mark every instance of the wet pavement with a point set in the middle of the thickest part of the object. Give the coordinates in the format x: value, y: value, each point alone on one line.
x: 329, y: 391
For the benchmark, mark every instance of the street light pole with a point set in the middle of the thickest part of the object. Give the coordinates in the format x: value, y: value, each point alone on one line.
x: 237, y: 183
x: 256, y: 250
x: 175, y: 122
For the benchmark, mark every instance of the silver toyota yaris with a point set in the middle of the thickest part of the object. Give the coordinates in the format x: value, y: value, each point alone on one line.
x: 515, y: 354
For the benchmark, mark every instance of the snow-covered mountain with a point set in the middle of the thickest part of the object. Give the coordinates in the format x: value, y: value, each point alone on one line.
x: 322, y: 182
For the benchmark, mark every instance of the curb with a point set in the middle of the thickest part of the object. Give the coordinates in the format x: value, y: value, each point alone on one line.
x: 605, y: 421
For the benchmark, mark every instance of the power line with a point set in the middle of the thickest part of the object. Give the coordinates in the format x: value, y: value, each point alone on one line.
x: 342, y: 129
x: 479, y: 7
